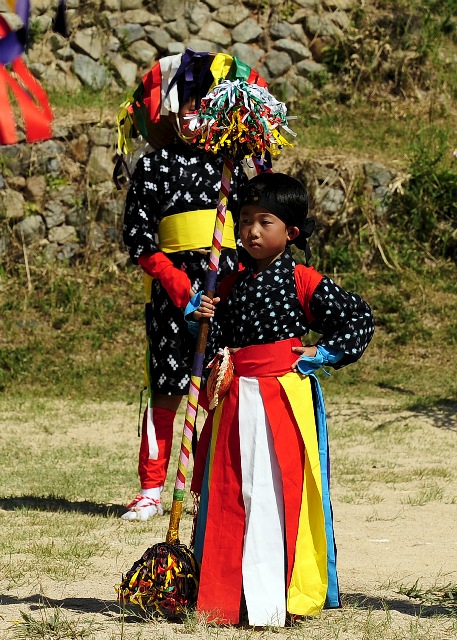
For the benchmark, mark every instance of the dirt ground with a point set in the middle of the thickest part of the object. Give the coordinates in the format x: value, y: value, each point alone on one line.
x: 394, y: 484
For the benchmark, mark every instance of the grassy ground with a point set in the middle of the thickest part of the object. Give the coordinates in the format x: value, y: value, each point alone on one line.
x: 384, y: 132
x: 72, y: 351
x: 79, y: 333
x: 68, y: 466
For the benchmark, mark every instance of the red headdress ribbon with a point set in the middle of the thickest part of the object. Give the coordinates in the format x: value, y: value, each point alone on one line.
x: 28, y: 93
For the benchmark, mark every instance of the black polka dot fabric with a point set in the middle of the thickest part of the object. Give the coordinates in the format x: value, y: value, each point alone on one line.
x: 168, y: 182
x: 343, y: 318
x: 265, y: 308
x: 171, y: 346
x: 176, y: 179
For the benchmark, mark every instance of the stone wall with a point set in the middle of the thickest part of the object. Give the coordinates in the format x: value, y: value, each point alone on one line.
x: 57, y: 198
x: 114, y: 42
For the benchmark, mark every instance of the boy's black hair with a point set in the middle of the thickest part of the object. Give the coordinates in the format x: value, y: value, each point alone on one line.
x: 286, y: 198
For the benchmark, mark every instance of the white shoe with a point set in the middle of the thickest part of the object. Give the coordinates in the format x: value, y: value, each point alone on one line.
x: 143, y: 508
x: 144, y: 513
x: 129, y: 515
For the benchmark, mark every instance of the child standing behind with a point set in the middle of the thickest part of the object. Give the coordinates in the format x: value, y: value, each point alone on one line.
x: 168, y: 226
x: 264, y: 532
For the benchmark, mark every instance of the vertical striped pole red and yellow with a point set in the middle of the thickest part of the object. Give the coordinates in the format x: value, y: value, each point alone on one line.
x: 197, y: 366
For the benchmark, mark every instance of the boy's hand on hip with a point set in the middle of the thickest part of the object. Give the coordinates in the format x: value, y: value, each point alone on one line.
x: 307, y: 351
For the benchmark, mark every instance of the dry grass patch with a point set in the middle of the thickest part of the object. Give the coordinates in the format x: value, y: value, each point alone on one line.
x: 69, y: 466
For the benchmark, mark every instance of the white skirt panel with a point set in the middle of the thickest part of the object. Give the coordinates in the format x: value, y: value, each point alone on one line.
x: 263, y: 565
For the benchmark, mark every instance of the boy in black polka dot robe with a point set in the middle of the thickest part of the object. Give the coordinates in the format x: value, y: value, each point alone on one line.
x: 169, y: 185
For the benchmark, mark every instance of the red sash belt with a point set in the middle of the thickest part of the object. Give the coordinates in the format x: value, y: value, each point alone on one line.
x: 266, y: 360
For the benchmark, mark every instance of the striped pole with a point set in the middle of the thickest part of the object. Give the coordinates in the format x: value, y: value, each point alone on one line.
x: 197, y: 366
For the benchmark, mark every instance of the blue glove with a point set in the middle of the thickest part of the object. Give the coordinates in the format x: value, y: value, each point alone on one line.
x: 309, y: 364
x: 192, y: 306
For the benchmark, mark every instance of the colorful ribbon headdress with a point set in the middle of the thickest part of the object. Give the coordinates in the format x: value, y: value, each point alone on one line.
x: 169, y: 83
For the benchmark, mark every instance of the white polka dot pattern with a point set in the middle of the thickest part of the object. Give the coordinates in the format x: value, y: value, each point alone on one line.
x: 265, y: 308
x: 343, y: 318
x: 175, y: 179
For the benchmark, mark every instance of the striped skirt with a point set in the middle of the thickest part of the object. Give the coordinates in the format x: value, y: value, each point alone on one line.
x: 264, y: 530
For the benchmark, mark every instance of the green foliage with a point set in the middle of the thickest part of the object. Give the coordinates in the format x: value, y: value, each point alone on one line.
x: 442, y: 595
x: 14, y: 362
x: 394, y: 49
x: 452, y: 334
x: 417, y: 221
x: 337, y: 256
x: 55, y: 182
x: 411, y: 353
x: 34, y: 33
x: 6, y: 165
x: 427, y: 210
x: 80, y: 329
x: 85, y: 98
x: 52, y: 624
x: 402, y: 323
x: 396, y: 311
x: 31, y: 208
x: 385, y: 131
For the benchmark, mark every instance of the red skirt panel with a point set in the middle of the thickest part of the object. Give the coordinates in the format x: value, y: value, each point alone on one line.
x: 220, y: 588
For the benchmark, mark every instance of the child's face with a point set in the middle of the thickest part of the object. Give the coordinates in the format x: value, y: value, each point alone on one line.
x: 186, y: 108
x: 264, y: 235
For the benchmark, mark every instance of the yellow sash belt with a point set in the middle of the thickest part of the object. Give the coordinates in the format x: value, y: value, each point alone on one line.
x: 193, y: 230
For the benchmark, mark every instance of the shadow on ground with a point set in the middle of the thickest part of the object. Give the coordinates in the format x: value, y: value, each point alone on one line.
x: 54, y: 503
x: 111, y: 609
x: 83, y: 605
x: 134, y: 614
x: 407, y: 607
x: 442, y: 413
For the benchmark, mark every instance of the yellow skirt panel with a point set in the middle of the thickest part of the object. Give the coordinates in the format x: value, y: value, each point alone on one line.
x: 308, y: 586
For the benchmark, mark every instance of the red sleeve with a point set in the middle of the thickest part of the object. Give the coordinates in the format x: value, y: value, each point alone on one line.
x: 306, y: 280
x: 175, y: 282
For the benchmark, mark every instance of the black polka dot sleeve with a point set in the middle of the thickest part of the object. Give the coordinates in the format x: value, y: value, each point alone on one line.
x: 142, y: 202
x: 344, y: 320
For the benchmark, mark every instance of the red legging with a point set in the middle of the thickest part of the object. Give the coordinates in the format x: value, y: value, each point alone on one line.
x: 153, y: 472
